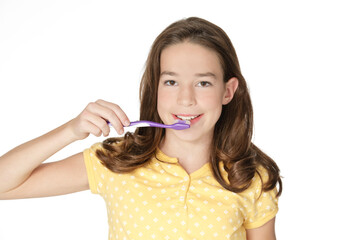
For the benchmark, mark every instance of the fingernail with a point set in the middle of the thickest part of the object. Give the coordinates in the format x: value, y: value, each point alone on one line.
x: 127, y: 122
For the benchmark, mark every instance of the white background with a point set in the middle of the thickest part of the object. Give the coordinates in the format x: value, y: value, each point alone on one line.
x: 300, y: 58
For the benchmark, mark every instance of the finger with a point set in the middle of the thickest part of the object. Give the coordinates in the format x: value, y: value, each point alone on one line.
x: 99, y: 123
x: 92, y: 129
x: 117, y: 110
x: 115, y: 116
x: 107, y: 114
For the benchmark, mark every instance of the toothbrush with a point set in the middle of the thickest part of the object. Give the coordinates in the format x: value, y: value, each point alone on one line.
x: 179, y: 125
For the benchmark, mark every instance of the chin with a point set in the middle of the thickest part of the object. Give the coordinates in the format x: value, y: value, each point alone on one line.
x: 191, y: 135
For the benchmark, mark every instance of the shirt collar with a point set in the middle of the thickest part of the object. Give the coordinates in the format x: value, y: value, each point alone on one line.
x: 159, y: 155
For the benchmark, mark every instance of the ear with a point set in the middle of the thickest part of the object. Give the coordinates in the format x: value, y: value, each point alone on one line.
x: 230, y: 88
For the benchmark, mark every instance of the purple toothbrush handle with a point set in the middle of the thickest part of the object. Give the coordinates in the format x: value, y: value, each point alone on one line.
x: 150, y: 124
x: 181, y: 125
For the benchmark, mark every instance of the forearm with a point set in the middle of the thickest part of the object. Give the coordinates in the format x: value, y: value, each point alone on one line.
x: 17, y: 164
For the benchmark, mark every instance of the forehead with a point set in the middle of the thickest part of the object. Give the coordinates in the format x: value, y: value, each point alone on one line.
x: 189, y: 57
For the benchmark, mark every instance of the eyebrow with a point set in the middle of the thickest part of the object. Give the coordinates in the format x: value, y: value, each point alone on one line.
x: 207, y: 74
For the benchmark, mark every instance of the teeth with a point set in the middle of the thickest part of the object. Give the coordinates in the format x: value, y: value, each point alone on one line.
x: 187, y: 118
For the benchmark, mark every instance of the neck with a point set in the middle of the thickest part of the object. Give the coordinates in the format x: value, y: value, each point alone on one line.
x: 191, y: 154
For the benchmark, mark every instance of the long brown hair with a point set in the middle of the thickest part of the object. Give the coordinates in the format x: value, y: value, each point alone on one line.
x: 233, y: 131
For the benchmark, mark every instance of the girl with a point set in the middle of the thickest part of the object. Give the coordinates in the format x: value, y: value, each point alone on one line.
x: 207, y: 181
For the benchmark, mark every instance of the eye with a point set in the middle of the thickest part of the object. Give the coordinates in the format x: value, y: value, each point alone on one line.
x: 204, y: 84
x: 170, y: 83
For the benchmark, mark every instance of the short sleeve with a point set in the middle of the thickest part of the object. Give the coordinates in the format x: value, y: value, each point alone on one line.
x: 95, y: 170
x: 259, y: 209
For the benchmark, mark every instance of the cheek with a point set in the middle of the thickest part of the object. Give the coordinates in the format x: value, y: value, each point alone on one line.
x: 161, y: 96
x: 163, y: 101
x: 212, y: 101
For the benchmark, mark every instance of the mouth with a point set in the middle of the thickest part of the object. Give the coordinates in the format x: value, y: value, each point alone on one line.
x: 188, y: 117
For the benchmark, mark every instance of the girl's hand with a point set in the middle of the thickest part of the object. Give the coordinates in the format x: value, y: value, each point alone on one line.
x: 95, y: 117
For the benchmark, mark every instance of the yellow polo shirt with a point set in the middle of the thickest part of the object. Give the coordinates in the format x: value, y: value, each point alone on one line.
x: 162, y: 201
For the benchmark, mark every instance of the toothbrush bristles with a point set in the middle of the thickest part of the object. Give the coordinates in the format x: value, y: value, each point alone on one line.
x: 183, y: 122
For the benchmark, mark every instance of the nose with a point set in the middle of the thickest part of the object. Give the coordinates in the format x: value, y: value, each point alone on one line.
x: 186, y: 96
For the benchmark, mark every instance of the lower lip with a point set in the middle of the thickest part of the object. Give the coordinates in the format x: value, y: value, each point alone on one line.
x: 195, y: 120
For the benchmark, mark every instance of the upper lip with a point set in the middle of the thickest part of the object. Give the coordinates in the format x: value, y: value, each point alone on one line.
x: 187, y: 115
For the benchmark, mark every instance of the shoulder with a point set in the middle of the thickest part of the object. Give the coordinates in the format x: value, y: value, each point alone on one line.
x: 257, y: 182
x: 96, y: 146
x: 98, y: 174
x: 261, y: 176
x: 259, y: 206
x: 92, y: 162
x: 90, y: 153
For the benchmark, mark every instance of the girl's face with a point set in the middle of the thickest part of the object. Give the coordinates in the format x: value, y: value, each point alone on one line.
x: 191, y: 87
